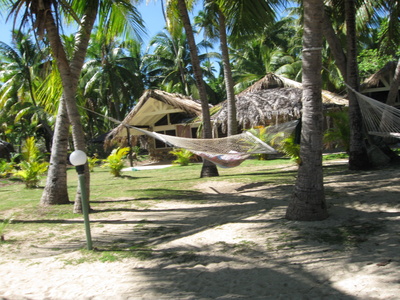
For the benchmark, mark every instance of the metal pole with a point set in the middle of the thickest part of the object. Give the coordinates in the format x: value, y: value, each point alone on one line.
x: 85, y: 205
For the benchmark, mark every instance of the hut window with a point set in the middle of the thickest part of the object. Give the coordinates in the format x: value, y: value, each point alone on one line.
x: 162, y: 121
x: 178, y: 118
x: 170, y: 132
x: 159, y: 144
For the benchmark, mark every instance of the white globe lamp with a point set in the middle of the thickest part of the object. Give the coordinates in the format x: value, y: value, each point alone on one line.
x: 78, y: 158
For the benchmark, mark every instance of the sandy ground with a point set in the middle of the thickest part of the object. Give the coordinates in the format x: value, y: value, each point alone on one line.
x: 234, y: 244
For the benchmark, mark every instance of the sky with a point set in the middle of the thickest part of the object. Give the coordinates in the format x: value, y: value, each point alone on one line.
x: 151, y: 14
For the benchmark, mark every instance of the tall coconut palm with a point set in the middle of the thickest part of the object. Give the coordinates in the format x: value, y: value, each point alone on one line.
x: 233, y: 18
x: 353, y: 14
x: 308, y: 200
x: 23, y: 66
x: 111, y: 79
x: 358, y: 157
x: 208, y: 169
x: 45, y: 16
x: 168, y: 64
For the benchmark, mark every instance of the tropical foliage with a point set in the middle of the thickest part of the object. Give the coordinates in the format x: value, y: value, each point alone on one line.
x: 32, y: 166
x: 183, y: 156
x: 115, y: 161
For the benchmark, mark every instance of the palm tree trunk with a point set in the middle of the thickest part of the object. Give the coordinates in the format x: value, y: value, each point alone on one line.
x: 230, y: 93
x: 308, y: 200
x: 358, y: 157
x: 394, y: 87
x: 208, y: 169
x: 55, y: 191
x: 70, y: 75
x: 335, y: 46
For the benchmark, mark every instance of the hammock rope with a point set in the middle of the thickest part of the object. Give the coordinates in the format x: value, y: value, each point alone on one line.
x: 228, y: 151
x: 379, y: 118
x: 225, y: 152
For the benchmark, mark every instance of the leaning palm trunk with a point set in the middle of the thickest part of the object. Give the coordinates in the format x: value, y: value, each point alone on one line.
x: 70, y: 73
x: 308, y: 201
x: 230, y: 93
x: 208, y: 169
x: 358, y: 157
x: 55, y: 191
x: 335, y: 46
x: 394, y: 87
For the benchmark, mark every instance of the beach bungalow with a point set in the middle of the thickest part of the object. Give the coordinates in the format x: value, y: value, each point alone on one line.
x: 161, y: 112
x: 270, y: 101
x: 377, y: 86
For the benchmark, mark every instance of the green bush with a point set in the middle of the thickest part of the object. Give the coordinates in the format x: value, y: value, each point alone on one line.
x: 30, y: 172
x: 32, y: 166
x: 92, y: 162
x: 6, y: 168
x: 183, y: 156
x: 290, y: 148
x: 263, y: 135
x: 115, y: 161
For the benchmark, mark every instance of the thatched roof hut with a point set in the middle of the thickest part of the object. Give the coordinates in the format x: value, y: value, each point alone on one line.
x: 157, y: 111
x: 381, y: 80
x: 377, y: 86
x: 271, y: 100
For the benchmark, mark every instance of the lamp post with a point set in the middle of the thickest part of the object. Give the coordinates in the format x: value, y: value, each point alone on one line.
x: 78, y: 158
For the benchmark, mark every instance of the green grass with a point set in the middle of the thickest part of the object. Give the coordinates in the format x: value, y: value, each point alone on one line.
x: 139, y: 187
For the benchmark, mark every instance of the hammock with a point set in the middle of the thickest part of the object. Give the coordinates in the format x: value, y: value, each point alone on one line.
x: 225, y: 152
x: 379, y: 118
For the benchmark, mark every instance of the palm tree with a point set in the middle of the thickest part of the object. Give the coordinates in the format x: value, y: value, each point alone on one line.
x: 22, y: 68
x: 168, y: 65
x: 45, y: 16
x: 233, y: 18
x: 308, y: 200
x: 112, y: 79
x: 275, y: 50
x: 358, y: 157
x: 340, y: 12
x: 208, y: 169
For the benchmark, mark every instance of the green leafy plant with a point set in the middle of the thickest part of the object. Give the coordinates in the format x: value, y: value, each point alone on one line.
x: 6, y: 168
x: 183, y: 156
x: 289, y: 147
x: 32, y: 166
x: 115, y: 161
x: 263, y: 135
x: 31, y: 171
x: 92, y: 162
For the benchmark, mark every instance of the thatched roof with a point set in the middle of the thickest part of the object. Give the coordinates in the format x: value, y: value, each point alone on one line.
x: 263, y: 107
x: 153, y: 105
x: 272, y: 80
x: 273, y: 99
x: 381, y: 80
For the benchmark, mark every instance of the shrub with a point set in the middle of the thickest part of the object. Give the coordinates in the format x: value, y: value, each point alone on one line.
x: 290, y: 148
x: 263, y: 135
x: 115, y: 161
x: 32, y: 167
x: 92, y: 162
x: 6, y: 168
x: 183, y: 156
x: 30, y: 172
